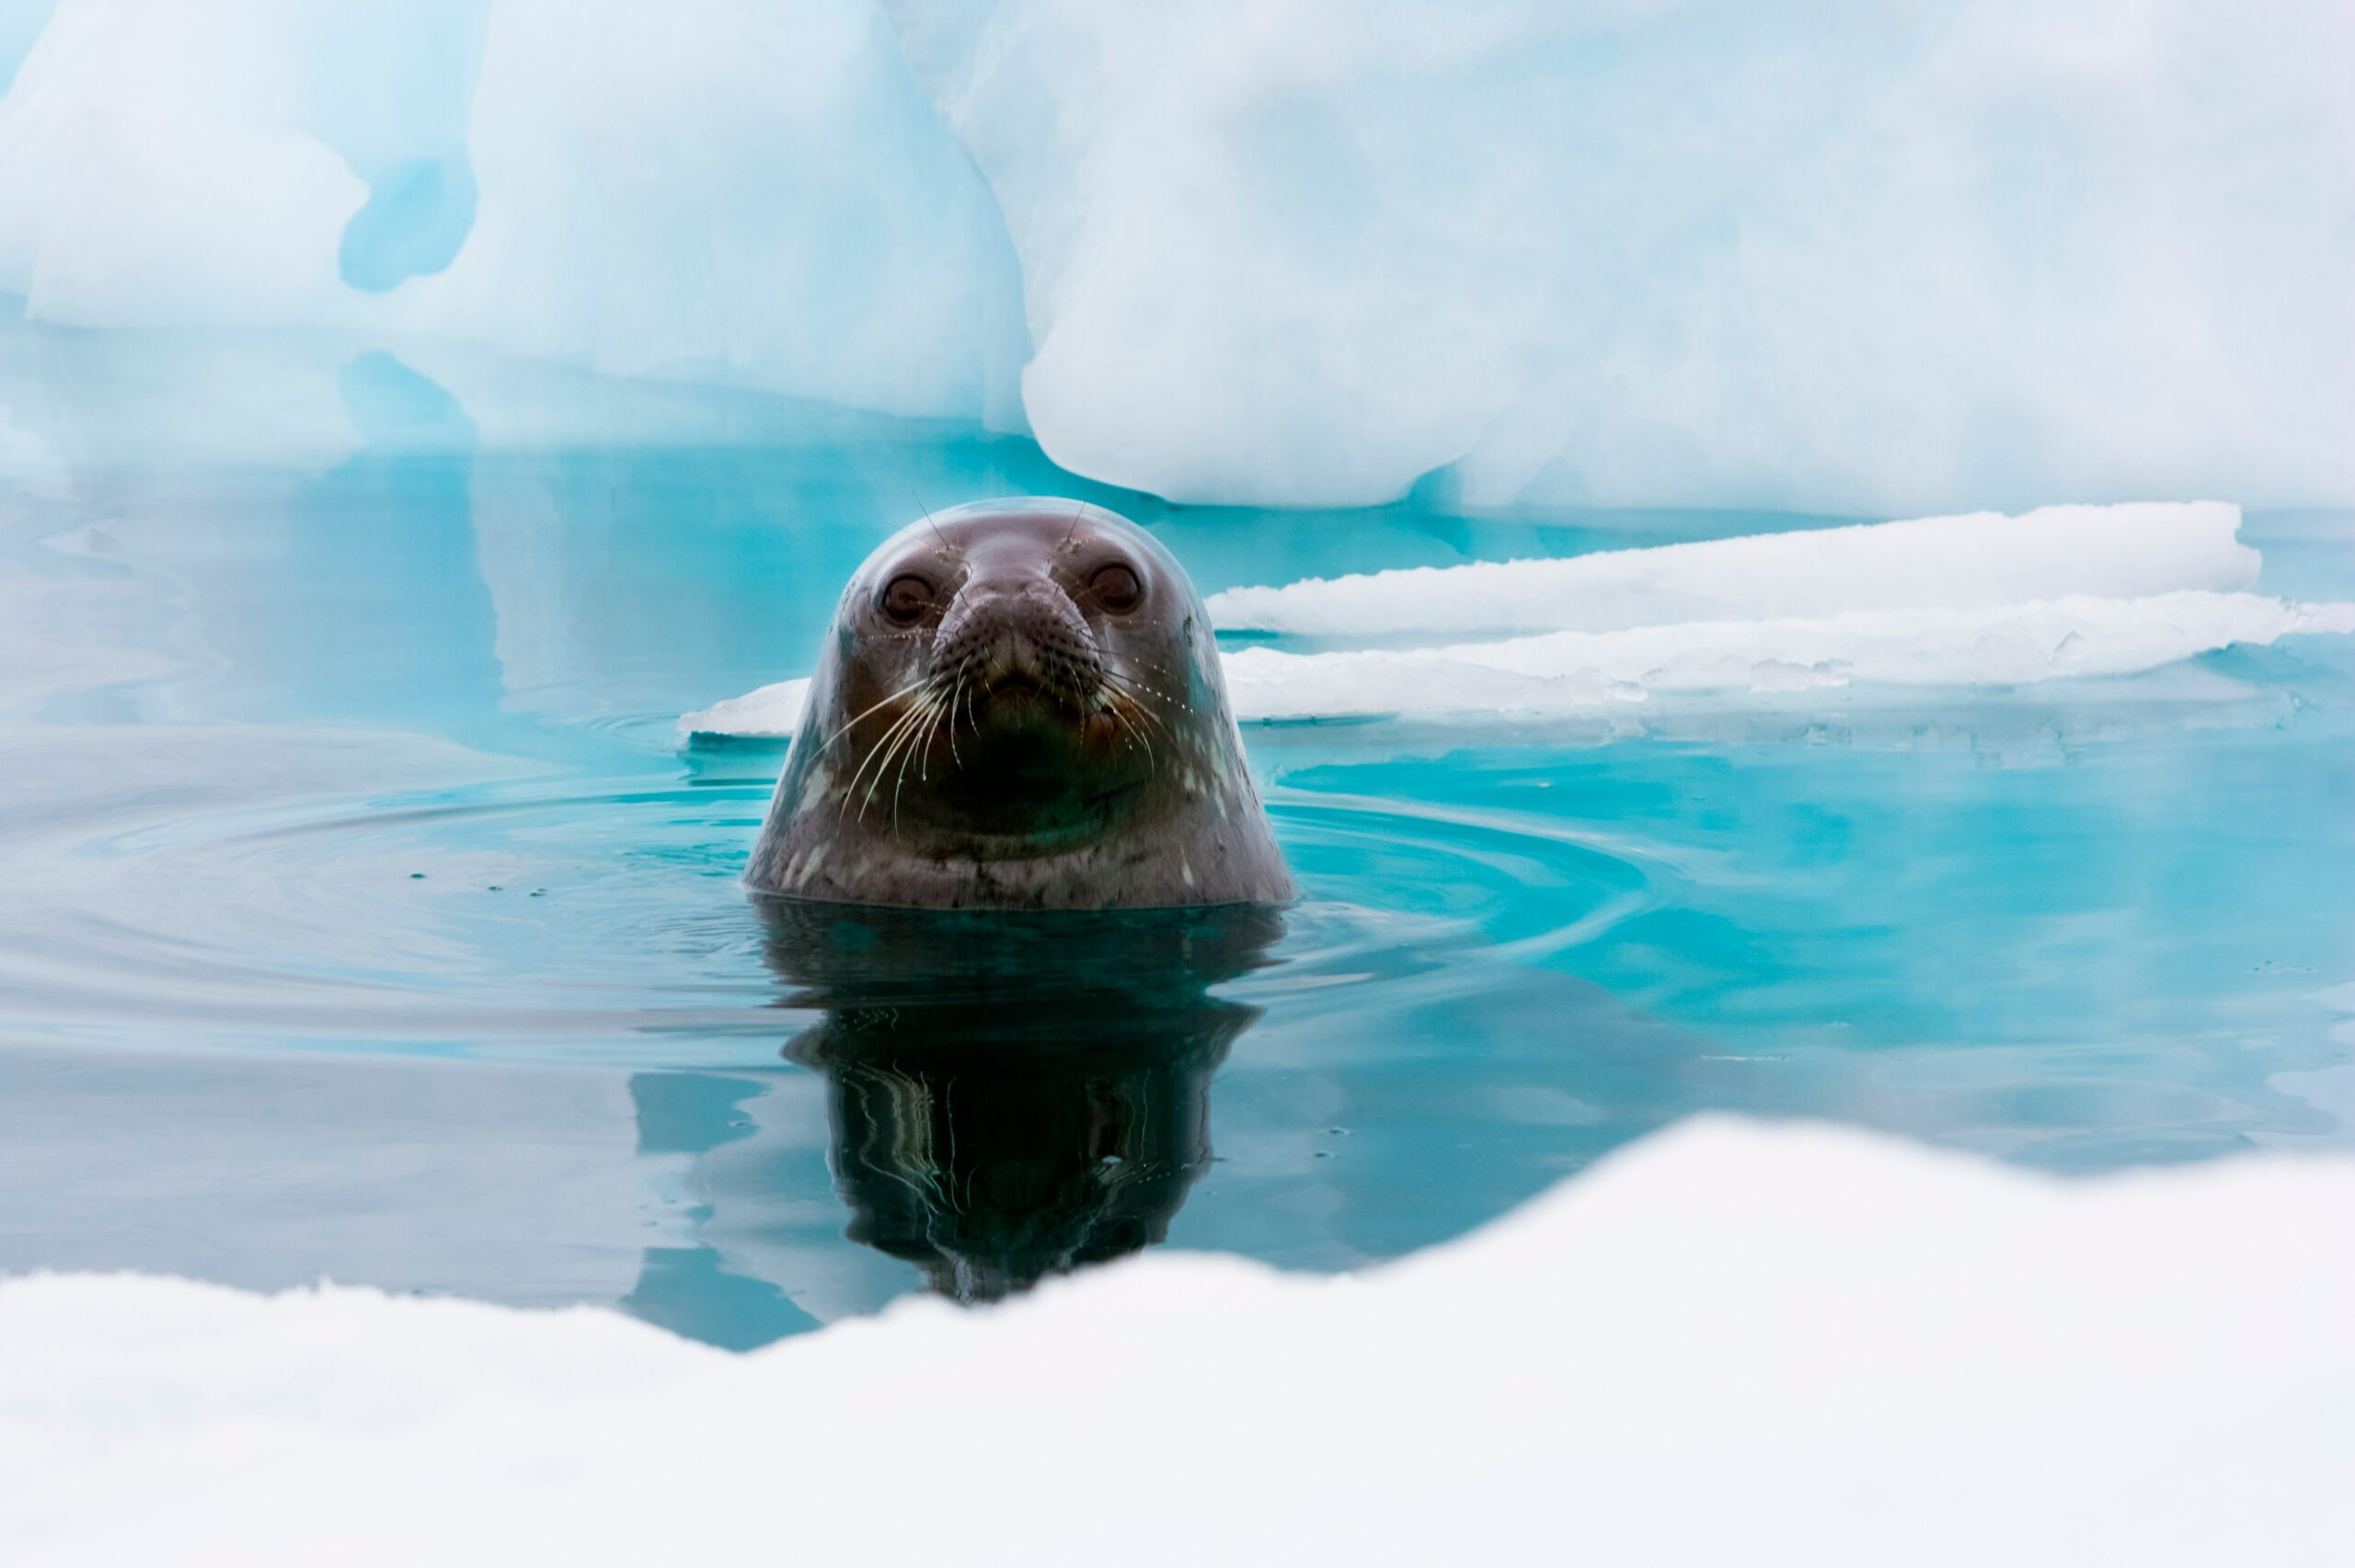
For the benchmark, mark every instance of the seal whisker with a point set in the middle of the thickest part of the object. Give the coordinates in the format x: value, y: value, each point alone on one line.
x: 930, y: 728
x: 1130, y: 682
x: 914, y: 685
x: 904, y: 736
x: 879, y: 755
x: 1153, y: 759
x: 882, y: 757
x: 1125, y: 712
x: 1116, y: 685
x: 878, y: 752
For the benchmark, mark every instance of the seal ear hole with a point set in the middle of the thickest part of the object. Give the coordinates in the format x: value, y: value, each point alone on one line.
x: 905, y: 601
x: 1116, y: 588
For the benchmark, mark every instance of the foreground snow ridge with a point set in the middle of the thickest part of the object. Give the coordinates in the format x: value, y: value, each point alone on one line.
x: 1982, y: 600
x: 1733, y: 1343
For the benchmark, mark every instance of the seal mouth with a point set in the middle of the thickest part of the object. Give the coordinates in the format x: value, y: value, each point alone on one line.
x: 1020, y: 695
x: 1012, y: 724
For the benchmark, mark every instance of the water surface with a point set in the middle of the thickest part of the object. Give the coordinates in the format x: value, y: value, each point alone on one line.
x: 365, y: 919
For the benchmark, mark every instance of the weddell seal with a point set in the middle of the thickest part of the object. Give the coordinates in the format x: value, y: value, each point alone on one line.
x: 1019, y: 706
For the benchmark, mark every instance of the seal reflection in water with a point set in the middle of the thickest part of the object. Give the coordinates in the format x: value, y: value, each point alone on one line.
x: 1019, y: 706
x: 1014, y: 1094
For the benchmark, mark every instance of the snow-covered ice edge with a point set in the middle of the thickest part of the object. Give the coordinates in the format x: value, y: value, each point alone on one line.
x: 1976, y: 600
x: 1976, y: 561
x: 1569, y: 671
x: 1731, y: 1343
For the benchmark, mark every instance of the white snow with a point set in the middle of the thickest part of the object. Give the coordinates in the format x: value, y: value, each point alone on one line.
x: 1978, y: 561
x: 1732, y: 1343
x: 768, y: 713
x: 1983, y: 600
x: 1867, y: 260
x: 1569, y: 671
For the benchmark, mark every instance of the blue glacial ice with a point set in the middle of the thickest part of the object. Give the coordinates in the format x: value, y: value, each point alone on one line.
x: 1878, y: 259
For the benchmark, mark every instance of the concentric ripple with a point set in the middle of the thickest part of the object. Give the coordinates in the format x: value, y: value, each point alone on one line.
x: 599, y: 918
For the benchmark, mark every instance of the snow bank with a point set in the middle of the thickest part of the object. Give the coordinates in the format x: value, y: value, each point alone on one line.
x: 1819, y: 257
x: 2057, y: 593
x: 1729, y: 1344
x: 1981, y: 561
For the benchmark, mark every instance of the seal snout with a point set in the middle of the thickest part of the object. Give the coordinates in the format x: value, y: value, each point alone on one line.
x: 1020, y: 639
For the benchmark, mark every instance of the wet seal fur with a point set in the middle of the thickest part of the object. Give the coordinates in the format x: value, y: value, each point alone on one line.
x: 1019, y: 706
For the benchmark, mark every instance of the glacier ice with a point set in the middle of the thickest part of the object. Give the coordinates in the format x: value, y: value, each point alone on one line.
x: 20, y: 23
x: 1831, y: 257
x: 729, y: 192
x: 714, y: 192
x: 1871, y: 258
x: 1932, y: 1360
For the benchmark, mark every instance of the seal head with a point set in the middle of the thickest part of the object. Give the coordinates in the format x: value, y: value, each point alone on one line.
x: 1019, y: 706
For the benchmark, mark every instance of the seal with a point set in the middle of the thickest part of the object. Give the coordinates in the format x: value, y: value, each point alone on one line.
x: 1019, y: 706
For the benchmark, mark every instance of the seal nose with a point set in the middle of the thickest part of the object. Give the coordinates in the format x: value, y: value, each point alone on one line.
x: 1011, y: 655
x: 1028, y: 631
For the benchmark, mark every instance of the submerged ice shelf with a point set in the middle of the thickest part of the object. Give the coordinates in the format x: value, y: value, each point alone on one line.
x: 1980, y: 600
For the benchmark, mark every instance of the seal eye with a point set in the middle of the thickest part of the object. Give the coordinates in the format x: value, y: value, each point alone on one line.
x: 1116, y: 588
x: 905, y: 599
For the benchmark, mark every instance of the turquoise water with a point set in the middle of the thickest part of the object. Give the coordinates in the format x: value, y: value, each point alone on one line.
x: 366, y: 920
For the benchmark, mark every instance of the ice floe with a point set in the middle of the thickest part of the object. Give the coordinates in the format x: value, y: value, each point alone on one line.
x: 1983, y: 560
x: 1778, y: 619
x: 1565, y: 671
x: 1731, y: 1343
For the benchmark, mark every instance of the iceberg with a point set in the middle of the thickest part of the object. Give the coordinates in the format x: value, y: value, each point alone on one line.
x: 1874, y: 1353
x: 726, y: 193
x: 1868, y: 260
x: 1821, y: 256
